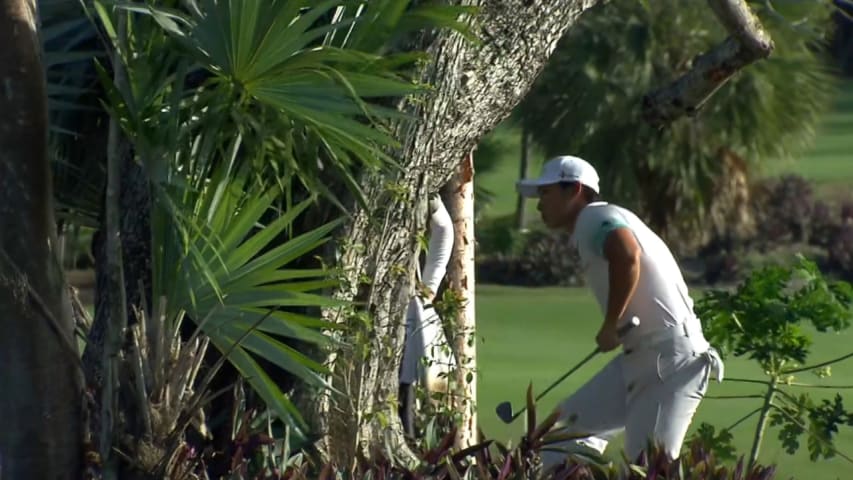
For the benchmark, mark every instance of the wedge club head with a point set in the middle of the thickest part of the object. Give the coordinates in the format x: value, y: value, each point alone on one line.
x: 504, y: 411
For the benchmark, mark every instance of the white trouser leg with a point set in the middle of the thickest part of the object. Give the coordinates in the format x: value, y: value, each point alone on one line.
x: 661, y: 407
x: 414, y: 347
x: 596, y: 409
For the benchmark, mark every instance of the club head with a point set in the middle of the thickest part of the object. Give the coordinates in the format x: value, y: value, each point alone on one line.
x: 504, y: 411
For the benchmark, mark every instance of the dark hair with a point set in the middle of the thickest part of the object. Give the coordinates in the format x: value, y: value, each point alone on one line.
x: 588, y: 194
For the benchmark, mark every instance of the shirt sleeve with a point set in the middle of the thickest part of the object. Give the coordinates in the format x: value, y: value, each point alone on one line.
x: 440, y: 245
x: 595, y: 229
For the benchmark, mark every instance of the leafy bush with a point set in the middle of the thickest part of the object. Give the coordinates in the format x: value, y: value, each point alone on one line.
x: 722, y: 266
x: 840, y: 249
x: 498, y: 236
x: 765, y: 319
x: 825, y: 223
x: 545, y: 259
x: 783, y: 208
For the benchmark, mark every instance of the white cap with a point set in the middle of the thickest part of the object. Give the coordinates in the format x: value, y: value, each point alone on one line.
x: 565, y: 168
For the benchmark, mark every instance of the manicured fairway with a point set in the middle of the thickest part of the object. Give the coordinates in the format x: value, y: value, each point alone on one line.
x: 537, y: 334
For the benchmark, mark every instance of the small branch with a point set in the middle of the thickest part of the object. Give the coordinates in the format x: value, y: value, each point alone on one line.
x: 747, y: 380
x: 788, y: 396
x: 819, y: 365
x: 743, y: 419
x: 762, y: 423
x: 742, y: 24
x: 747, y: 43
x: 732, y: 397
x: 811, y: 385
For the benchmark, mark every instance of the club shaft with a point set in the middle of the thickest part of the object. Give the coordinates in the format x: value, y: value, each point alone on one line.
x: 621, y: 332
x: 557, y: 382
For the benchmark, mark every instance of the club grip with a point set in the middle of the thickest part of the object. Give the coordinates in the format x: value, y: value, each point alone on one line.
x: 627, y: 326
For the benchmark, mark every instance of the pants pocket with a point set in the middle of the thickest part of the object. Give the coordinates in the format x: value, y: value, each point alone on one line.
x: 669, y: 365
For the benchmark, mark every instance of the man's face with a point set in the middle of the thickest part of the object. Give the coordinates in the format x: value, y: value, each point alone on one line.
x: 558, y: 205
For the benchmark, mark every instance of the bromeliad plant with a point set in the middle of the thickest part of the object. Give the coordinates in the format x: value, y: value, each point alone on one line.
x: 766, y: 320
x: 492, y: 460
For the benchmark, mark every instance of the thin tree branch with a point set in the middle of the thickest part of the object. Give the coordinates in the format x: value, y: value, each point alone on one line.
x: 732, y: 397
x: 747, y: 43
x: 819, y: 365
x: 811, y: 385
x: 747, y: 380
x: 743, y: 419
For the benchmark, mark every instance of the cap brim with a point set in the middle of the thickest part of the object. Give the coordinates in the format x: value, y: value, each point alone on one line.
x: 529, y: 188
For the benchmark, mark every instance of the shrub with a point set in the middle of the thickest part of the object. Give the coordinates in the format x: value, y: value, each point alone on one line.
x: 847, y: 210
x: 783, y: 208
x: 545, y: 259
x: 840, y: 251
x: 722, y: 266
x: 498, y: 236
x: 825, y: 223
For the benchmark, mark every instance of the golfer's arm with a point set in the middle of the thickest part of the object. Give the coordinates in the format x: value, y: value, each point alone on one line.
x: 623, y: 258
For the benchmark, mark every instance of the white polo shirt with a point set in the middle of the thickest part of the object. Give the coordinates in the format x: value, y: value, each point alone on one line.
x: 661, y: 299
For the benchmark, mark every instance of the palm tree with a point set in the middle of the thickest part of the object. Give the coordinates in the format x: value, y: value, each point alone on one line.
x: 235, y: 116
x: 588, y: 101
x: 39, y: 369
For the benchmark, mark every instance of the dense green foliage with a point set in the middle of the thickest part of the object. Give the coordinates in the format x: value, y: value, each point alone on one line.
x: 588, y: 101
x: 763, y: 319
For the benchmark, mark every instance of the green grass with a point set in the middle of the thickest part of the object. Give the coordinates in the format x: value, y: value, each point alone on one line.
x: 829, y: 162
x: 537, y: 334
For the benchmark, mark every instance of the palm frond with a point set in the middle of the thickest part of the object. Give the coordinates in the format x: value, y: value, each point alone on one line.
x: 234, y: 274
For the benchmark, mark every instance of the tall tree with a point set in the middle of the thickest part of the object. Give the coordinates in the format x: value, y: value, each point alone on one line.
x: 475, y: 86
x: 39, y: 368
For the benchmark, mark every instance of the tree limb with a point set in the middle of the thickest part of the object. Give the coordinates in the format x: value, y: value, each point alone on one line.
x: 747, y: 43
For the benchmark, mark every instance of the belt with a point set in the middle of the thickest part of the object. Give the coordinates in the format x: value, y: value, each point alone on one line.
x: 690, y: 329
x: 687, y: 329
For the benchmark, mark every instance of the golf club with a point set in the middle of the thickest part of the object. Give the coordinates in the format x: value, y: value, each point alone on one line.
x: 504, y: 409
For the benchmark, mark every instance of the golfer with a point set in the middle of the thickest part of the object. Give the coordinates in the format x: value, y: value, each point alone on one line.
x: 652, y: 388
x: 426, y: 353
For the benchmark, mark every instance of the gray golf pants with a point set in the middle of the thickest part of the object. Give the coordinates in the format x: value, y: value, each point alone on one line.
x: 650, y: 393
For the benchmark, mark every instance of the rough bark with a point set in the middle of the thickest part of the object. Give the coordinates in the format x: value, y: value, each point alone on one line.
x: 747, y: 43
x: 461, y: 279
x: 122, y: 249
x: 41, y: 403
x: 475, y: 87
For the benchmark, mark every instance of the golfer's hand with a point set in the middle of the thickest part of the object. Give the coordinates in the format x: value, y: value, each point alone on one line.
x: 607, y: 339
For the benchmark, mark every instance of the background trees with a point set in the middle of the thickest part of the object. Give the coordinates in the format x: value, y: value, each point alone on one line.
x: 588, y: 100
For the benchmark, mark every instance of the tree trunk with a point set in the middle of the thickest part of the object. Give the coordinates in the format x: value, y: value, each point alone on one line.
x: 460, y: 279
x: 475, y: 87
x: 526, y: 150
x: 41, y: 403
